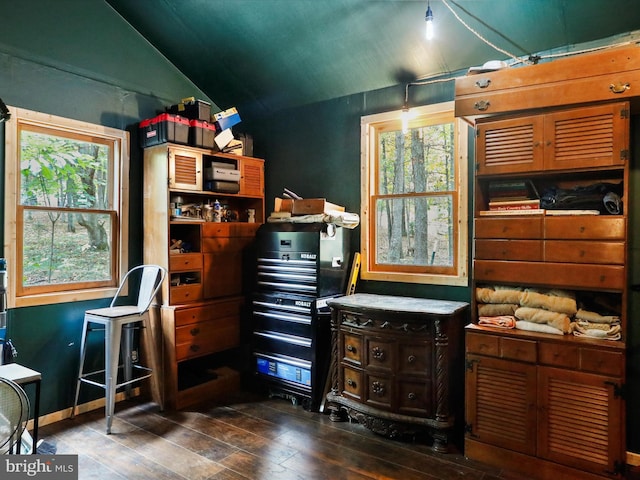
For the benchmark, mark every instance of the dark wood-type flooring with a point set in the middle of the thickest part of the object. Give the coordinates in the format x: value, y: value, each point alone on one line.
x: 247, y: 437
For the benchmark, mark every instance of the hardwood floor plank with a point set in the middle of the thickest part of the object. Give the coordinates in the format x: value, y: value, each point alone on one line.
x: 247, y: 438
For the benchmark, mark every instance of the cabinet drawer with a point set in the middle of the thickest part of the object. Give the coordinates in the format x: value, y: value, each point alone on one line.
x: 207, y: 337
x: 414, y: 398
x: 506, y: 228
x: 607, y: 277
x: 185, y: 293
x: 379, y: 391
x: 352, y: 348
x: 211, y: 311
x: 380, y: 354
x: 509, y: 250
x: 599, y: 361
x: 352, y: 383
x: 414, y: 359
x: 559, y: 355
x: 587, y: 227
x: 181, y: 262
x: 518, y: 349
x: 483, y: 344
x: 605, y: 253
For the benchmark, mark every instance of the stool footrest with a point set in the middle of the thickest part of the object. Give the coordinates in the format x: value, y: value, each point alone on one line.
x: 84, y: 378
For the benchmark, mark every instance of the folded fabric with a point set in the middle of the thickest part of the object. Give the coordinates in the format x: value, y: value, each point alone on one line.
x: 488, y: 295
x: 500, y: 321
x: 537, y: 327
x: 597, y: 330
x: 556, y: 320
x: 596, y: 317
x: 551, y: 302
x: 495, y: 309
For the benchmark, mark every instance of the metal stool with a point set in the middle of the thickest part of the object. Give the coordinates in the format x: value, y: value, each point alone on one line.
x: 119, y: 323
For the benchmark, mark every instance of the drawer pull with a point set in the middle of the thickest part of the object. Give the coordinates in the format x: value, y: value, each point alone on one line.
x: 481, y: 105
x: 351, y: 348
x: 411, y: 396
x: 378, y: 388
x: 619, y: 87
x: 378, y: 353
x: 194, y: 348
x: 411, y: 358
x: 351, y: 383
x: 483, y: 82
x: 194, y: 331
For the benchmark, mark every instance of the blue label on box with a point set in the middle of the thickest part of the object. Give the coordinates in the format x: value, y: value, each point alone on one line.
x: 284, y: 370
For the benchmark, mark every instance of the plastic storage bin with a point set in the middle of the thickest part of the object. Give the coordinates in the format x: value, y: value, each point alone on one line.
x: 201, y: 133
x: 164, y: 128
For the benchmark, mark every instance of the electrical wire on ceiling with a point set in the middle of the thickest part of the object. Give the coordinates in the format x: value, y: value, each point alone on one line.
x: 531, y: 58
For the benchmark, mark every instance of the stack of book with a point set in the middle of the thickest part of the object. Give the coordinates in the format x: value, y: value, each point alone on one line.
x: 513, y: 197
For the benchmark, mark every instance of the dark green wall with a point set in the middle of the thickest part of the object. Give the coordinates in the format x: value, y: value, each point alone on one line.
x: 78, y: 59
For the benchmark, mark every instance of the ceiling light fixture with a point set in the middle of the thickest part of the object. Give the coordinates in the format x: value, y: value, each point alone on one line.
x: 429, y: 21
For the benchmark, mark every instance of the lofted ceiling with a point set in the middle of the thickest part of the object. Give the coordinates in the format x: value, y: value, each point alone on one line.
x: 263, y: 56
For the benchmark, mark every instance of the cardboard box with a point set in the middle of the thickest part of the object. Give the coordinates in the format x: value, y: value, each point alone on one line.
x: 227, y: 119
x: 305, y: 206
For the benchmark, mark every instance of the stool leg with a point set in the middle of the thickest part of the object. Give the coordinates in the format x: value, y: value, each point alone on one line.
x: 83, y: 351
x: 127, y: 348
x: 112, y: 349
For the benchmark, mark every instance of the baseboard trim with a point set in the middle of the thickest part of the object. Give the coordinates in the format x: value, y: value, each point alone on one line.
x: 54, y: 417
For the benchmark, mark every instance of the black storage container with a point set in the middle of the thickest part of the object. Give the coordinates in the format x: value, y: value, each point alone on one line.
x: 192, y: 109
x: 164, y: 128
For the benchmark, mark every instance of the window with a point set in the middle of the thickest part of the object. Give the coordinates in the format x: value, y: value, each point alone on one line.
x: 66, y: 202
x: 414, y: 202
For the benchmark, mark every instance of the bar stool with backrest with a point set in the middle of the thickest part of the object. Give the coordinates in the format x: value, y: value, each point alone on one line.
x: 119, y: 321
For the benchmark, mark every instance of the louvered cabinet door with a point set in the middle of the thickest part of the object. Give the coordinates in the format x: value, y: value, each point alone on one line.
x: 510, y: 146
x: 587, y: 137
x: 185, y: 169
x: 580, y: 420
x: 501, y: 403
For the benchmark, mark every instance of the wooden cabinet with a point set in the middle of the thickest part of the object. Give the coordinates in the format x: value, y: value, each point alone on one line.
x: 582, y: 138
x: 552, y: 407
x: 395, y: 363
x: 607, y: 75
x: 203, y: 298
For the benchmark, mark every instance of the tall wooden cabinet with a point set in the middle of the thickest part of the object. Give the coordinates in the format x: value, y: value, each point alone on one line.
x: 203, y: 297
x: 550, y: 406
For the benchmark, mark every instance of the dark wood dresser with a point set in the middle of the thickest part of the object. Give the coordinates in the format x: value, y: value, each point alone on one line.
x: 397, y: 364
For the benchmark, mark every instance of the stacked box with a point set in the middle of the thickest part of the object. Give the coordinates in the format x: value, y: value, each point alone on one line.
x: 164, y: 128
x: 227, y: 119
x: 192, y: 109
x: 201, y: 133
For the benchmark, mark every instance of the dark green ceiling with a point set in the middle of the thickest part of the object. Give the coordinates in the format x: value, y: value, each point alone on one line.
x: 267, y: 55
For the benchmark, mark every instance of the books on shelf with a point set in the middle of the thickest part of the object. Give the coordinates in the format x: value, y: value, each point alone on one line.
x: 506, y: 190
x: 531, y: 211
x: 536, y: 211
x: 529, y: 204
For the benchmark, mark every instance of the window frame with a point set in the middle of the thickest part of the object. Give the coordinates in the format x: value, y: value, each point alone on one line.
x: 17, y: 294
x: 370, y: 125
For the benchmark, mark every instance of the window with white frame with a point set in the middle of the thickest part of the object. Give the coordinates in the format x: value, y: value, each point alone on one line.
x: 66, y: 208
x: 414, y: 197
